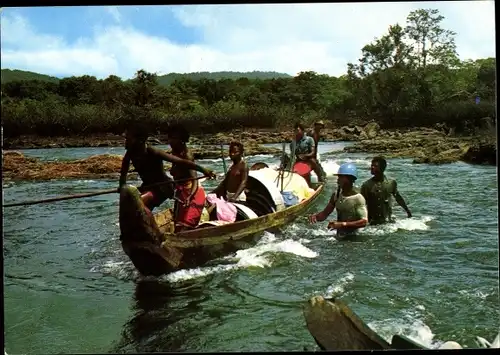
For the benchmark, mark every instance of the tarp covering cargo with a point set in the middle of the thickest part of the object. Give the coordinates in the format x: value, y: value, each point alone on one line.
x: 291, y: 182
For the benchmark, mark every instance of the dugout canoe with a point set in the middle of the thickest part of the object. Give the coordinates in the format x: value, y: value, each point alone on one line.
x: 149, y: 241
x: 334, y: 326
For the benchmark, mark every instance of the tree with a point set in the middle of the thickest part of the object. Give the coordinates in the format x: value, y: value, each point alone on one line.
x: 485, y: 79
x: 432, y: 43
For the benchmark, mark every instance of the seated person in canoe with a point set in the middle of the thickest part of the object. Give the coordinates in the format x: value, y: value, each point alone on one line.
x: 305, y: 153
x: 378, y: 193
x: 189, y: 195
x: 232, y: 188
x: 352, y: 213
x: 148, y: 162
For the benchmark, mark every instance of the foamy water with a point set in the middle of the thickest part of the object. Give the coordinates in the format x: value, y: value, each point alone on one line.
x: 408, y: 224
x: 412, y: 325
x: 405, y: 224
x: 258, y: 256
x: 409, y: 325
x: 338, y: 288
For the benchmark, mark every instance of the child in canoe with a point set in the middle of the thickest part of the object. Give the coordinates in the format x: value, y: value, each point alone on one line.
x: 148, y: 162
x: 189, y: 195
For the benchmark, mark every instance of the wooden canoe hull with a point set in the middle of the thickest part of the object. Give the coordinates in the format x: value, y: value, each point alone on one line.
x: 154, y: 250
x: 334, y: 326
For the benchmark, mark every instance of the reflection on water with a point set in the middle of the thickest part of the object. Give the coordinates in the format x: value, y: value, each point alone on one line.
x: 164, y: 316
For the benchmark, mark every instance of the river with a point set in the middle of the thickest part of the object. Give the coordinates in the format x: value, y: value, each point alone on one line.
x: 68, y: 286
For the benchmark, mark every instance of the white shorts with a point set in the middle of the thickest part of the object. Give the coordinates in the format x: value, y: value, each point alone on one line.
x: 242, y: 197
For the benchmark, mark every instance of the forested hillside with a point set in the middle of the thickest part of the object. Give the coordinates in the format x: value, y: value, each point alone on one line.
x: 9, y: 75
x: 233, y: 75
x: 409, y: 76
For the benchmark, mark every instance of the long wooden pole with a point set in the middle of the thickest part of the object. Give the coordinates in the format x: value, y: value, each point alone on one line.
x: 283, y: 159
x: 223, y: 160
x: 90, y: 194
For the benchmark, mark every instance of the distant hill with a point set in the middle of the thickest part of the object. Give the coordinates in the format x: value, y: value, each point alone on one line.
x: 170, y: 78
x: 15, y: 75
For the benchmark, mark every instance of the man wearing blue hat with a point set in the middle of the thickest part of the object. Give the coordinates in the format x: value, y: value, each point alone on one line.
x: 352, y: 213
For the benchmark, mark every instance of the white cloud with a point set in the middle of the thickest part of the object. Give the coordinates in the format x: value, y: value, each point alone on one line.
x: 16, y: 32
x: 285, y: 38
x: 114, y: 12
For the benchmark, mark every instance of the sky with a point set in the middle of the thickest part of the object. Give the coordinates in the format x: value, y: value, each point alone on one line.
x: 287, y: 38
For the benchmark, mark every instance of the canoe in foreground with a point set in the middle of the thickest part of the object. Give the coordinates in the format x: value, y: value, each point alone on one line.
x: 334, y: 326
x: 154, y: 249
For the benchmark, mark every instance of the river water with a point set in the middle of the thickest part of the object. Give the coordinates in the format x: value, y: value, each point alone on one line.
x: 68, y: 287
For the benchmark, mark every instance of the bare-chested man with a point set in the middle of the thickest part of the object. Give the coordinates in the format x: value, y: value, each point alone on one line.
x: 234, y: 183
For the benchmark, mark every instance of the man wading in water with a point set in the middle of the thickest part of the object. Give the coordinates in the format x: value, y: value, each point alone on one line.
x: 305, y: 150
x: 234, y: 183
x: 316, y: 135
x: 378, y: 192
x: 148, y: 162
x: 351, y: 206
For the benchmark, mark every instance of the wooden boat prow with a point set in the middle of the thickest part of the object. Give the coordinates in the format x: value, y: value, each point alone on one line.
x: 334, y: 326
x: 154, y: 249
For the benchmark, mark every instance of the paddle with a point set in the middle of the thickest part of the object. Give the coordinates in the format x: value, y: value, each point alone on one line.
x: 223, y: 160
x: 282, y: 173
x: 68, y: 197
x: 97, y: 193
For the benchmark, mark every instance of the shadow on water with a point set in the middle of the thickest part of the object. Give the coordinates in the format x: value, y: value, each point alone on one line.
x: 164, y: 316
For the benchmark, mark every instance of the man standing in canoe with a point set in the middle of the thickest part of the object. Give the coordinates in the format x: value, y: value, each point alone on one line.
x: 351, y: 208
x: 305, y: 150
x: 316, y: 135
x: 190, y: 195
x: 148, y: 162
x: 234, y: 184
x: 378, y: 192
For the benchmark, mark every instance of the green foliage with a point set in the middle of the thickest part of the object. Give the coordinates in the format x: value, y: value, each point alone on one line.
x: 19, y: 75
x: 172, y: 77
x: 413, y: 76
x: 163, y: 80
x: 409, y: 77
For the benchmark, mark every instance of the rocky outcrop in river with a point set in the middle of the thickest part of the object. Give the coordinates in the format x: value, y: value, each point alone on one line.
x: 17, y: 166
x: 437, y: 145
x: 430, y: 146
x: 249, y: 137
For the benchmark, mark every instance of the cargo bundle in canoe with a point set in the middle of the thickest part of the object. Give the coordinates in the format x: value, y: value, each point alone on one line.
x: 154, y: 249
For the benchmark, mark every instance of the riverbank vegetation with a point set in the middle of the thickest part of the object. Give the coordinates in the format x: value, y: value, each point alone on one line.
x: 409, y: 77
